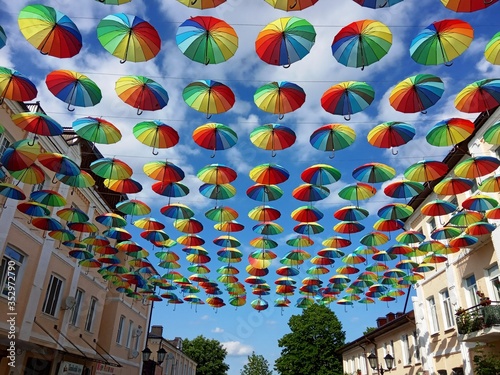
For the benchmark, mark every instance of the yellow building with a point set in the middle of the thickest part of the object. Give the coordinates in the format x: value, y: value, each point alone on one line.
x: 66, y: 319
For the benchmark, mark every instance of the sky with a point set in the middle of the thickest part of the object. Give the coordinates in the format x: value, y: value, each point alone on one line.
x: 243, y: 330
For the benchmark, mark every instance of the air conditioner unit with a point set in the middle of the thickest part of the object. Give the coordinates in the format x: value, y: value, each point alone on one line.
x: 68, y: 303
x: 133, y: 354
x: 137, y: 332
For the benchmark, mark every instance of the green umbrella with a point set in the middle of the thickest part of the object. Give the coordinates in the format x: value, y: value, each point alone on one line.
x: 492, y: 135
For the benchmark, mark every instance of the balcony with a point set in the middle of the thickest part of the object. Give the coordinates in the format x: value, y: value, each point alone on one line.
x: 480, y: 323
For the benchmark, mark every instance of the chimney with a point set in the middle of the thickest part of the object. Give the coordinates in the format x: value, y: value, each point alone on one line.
x: 157, y: 331
x: 390, y: 317
x: 399, y: 314
x: 381, y: 321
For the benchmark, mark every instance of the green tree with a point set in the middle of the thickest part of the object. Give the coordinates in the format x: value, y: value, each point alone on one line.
x: 257, y: 365
x: 311, y: 346
x: 368, y: 330
x: 208, y: 354
x: 486, y: 360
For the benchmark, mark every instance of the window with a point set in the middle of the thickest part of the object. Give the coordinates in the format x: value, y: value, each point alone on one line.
x: 136, y: 345
x: 406, y: 349
x: 432, y: 224
x: 494, y: 275
x: 4, y: 144
x: 417, y: 347
x: 431, y: 303
x: 449, y: 321
x: 471, y: 288
x: 120, y: 330
x: 75, y: 313
x: 129, y: 334
x: 90, y: 314
x: 52, y: 296
x: 9, y: 269
x: 454, y: 200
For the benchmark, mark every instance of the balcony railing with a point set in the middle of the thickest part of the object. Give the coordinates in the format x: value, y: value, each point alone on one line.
x: 476, y: 318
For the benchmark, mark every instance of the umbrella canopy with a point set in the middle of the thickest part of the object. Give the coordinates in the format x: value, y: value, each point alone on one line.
x: 347, y: 98
x: 391, y: 134
x: 59, y: 163
x: 273, y: 137
x: 170, y: 189
x: 217, y: 174
x: 332, y: 137
x: 37, y: 123
x: 11, y: 191
x: 441, y: 42
x: 111, y: 168
x: 156, y: 134
x: 490, y: 184
x: 177, y: 211
x: 163, y: 171
x: 376, y: 4
x: 128, y: 37
x: 48, y: 198
x: 356, y: 192
x: 476, y: 166
x: 97, y: 130
x: 207, y: 40
x: 125, y: 186
x: 351, y: 213
x: 215, y: 136
x: 426, y: 170
x: 202, y: 4
x: 133, y: 207
x: 279, y: 97
x: 291, y: 5
x: 269, y: 174
x: 467, y: 6
x: 310, y: 193
x: 82, y: 180
x: 264, y: 213
x: 492, y: 135
x: 416, y: 93
x: 32, y: 175
x: 73, y: 88
x: 285, y: 41
x: 373, y: 172
x: 453, y: 186
x: 16, y: 86
x: 209, y: 97
x: 320, y: 174
x: 395, y: 211
x: 361, y: 43
x: 142, y: 93
x: 492, y: 49
x: 50, y: 31
x: 479, y: 96
x: 438, y: 207
x: 449, y: 132
x: 403, y: 189
x: 3, y: 37
x: 264, y: 193
x: 479, y: 202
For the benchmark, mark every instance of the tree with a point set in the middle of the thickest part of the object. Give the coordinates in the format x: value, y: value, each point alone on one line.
x: 208, y: 354
x: 311, y: 346
x: 257, y: 365
x: 368, y: 330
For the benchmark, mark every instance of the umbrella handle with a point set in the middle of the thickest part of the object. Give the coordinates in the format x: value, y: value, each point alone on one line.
x: 54, y: 180
x: 348, y: 117
x: 487, y: 1
x: 209, y: 116
x: 291, y: 7
x: 332, y: 155
x: 213, y: 154
x: 139, y: 111
x: 155, y: 152
x: 69, y: 108
x: 392, y: 151
x: 287, y: 66
x: 448, y: 63
x: 194, y: 2
x: 121, y: 61
x: 32, y: 144
x: 423, y: 112
x: 273, y: 153
x: 281, y: 116
x: 1, y: 100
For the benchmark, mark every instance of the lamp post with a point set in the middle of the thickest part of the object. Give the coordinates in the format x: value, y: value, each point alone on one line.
x: 389, y: 362
x: 149, y: 364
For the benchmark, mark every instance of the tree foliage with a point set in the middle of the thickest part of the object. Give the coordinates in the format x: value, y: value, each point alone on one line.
x: 257, y: 365
x: 487, y: 360
x: 208, y: 354
x: 368, y: 330
x: 311, y: 346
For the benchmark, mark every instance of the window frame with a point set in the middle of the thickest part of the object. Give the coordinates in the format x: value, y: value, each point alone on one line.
x: 4, y: 269
x: 89, y: 320
x: 75, y: 312
x: 53, y: 307
x: 416, y: 347
x: 119, y: 332
x: 129, y: 333
x: 471, y: 294
x: 447, y: 311
x: 434, y: 320
x: 494, y: 278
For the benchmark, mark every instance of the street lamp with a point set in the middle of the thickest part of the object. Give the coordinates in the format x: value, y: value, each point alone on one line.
x: 389, y: 362
x: 146, y: 355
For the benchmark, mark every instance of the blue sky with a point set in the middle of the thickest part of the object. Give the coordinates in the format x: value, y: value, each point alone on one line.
x: 244, y: 330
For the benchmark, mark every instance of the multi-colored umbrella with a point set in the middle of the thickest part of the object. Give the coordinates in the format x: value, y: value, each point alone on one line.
x: 155, y: 134
x: 114, y: 2
x: 320, y: 174
x: 264, y: 213
x: 441, y: 42
x: 97, y: 130
x: 356, y: 192
x: 376, y: 4
x: 449, y: 132
x: 391, y: 134
x: 279, y: 97
x: 310, y: 192
x: 465, y: 217
x: 217, y: 174
x: 128, y: 37
x: 11, y: 191
x: 492, y: 49
x: 209, y: 97
x: 438, y: 207
x: 49, y: 31
x: 291, y: 5
x: 202, y: 4
x: 37, y: 123
x: 351, y: 213
x: 111, y: 168
x: 467, y: 6
x: 373, y: 173
x: 16, y: 86
x: 332, y: 137
x: 3, y: 37
x: 479, y: 96
x: 59, y: 163
x: 215, y: 136
x: 269, y: 174
x: 453, y: 186
x: 177, y: 211
x: 347, y: 98
x: 170, y: 189
x: 490, y: 184
x: 73, y: 88
x: 207, y: 40
x: 217, y: 191
x: 476, y: 166
x: 142, y: 93
x: 285, y: 41
x: 492, y: 135
x: 273, y: 137
x: 264, y: 192
x: 403, y: 189
x: 361, y: 43
x: 480, y: 203
x: 48, y: 198
x: 416, y: 93
x: 82, y: 180
x: 133, y: 207
x: 395, y: 211
x: 32, y: 175
x: 125, y: 186
x: 426, y: 170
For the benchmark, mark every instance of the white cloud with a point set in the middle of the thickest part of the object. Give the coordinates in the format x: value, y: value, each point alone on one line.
x: 217, y: 330
x: 236, y: 348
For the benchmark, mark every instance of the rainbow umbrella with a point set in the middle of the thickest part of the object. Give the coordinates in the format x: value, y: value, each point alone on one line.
x: 310, y: 193
x: 320, y: 174
x: 163, y: 171
x: 215, y: 136
x: 356, y: 192
x: 111, y: 219
x: 492, y: 49
x: 308, y: 228
x: 410, y: 237
x: 347, y: 98
x: 467, y: 6
x: 217, y: 191
x: 48, y: 198
x: 479, y: 229
x: 170, y: 189
x: 59, y: 163
x: 32, y: 209
x: 388, y: 225
x: 268, y: 228
x: 479, y: 96
x: 373, y: 172
x: 395, y: 211
x: 149, y: 223
x: 221, y: 214
x: 269, y: 174
x: 142, y: 93
x: 125, y: 186
x: 492, y: 135
x: 351, y: 213
x: 46, y: 224
x: 273, y: 137
x: 279, y: 97
x: 391, y: 134
x: 438, y: 207
x: 489, y: 185
x: 49, y: 31
x: 368, y: 249
x: 217, y: 174
x: 3, y: 37
x: 441, y: 42
x: 416, y: 93
x: 465, y: 217
x: 285, y: 41
x: 16, y: 86
x: 332, y: 137
x: 264, y: 193
x: 207, y: 40
x: 83, y: 227
x: 264, y: 213
x: 476, y: 166
x: 155, y: 134
x: 403, y: 189
x: 37, y: 123
x: 426, y: 170
x: 96, y: 130
x: 347, y: 270
x: 32, y: 175
x: 434, y: 259
x: 202, y: 4
x: 73, y: 88
x: 114, y: 2
x: 399, y: 249
x: 373, y: 239
x: 133, y: 207
x: 73, y: 214
x: 348, y: 227
x: 383, y: 256
x: 209, y: 97
x: 445, y: 233
x: 82, y: 180
x: 376, y: 4
x: 259, y: 304
x: 128, y: 37
x: 480, y: 203
x: 291, y: 5
x: 361, y: 43
x: 453, y: 186
x: 177, y: 211
x: 111, y: 168
x: 11, y: 191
